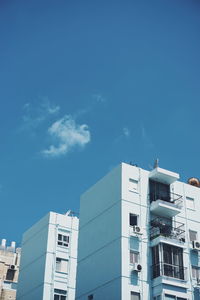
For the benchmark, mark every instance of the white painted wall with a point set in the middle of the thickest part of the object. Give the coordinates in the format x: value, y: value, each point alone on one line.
x: 99, y: 250
x: 104, y: 240
x: 38, y: 276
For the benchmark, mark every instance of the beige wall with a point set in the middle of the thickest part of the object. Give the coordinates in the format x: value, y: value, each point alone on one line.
x: 9, y: 257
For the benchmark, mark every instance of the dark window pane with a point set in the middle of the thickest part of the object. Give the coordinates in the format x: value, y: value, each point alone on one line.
x: 10, y: 274
x: 159, y: 190
x: 56, y: 297
x: 133, y: 220
x: 60, y: 237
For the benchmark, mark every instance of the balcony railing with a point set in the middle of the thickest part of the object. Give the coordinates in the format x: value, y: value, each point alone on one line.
x: 169, y: 270
x: 160, y: 227
x: 172, y: 198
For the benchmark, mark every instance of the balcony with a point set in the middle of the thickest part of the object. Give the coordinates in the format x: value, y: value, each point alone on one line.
x: 169, y: 270
x: 167, y: 205
x: 162, y: 230
x: 164, y: 176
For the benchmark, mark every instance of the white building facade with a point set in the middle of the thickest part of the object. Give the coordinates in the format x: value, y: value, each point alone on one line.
x: 139, y: 237
x: 49, y: 259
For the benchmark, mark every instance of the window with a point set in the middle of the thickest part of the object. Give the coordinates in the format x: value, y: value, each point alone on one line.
x: 90, y: 297
x: 134, y: 257
x: 61, y: 265
x: 193, y: 235
x: 10, y: 274
x: 171, y: 297
x: 157, y: 298
x: 135, y: 296
x: 133, y: 184
x: 190, y: 203
x: 60, y: 294
x: 63, y: 240
x: 195, y: 272
x: 159, y: 191
x: 172, y: 263
x: 133, y: 220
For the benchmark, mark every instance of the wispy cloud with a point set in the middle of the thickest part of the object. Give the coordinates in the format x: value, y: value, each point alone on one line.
x: 67, y: 134
x: 35, y: 115
x: 126, y: 132
x: 96, y: 101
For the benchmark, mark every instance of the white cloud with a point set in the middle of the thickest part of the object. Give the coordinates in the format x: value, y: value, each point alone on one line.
x: 35, y: 115
x: 68, y: 134
x: 126, y: 132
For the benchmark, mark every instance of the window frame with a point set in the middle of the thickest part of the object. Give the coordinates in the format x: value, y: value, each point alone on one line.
x: 63, y: 240
x: 192, y: 200
x: 195, y: 232
x: 135, y: 294
x: 131, y: 215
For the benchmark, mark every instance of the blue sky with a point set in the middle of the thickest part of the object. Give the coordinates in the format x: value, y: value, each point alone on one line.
x: 85, y: 85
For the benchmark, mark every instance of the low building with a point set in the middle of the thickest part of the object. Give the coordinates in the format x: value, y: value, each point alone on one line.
x: 49, y: 259
x: 9, y: 270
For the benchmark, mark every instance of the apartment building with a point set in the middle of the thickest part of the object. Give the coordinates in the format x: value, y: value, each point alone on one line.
x: 49, y: 259
x: 139, y: 237
x: 9, y: 270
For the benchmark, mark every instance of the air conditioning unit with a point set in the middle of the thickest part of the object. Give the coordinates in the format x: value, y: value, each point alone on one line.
x: 12, y: 267
x: 136, y: 229
x: 137, y: 267
x: 196, y: 245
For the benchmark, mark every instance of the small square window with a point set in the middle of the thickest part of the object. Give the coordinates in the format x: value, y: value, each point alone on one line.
x: 60, y: 294
x: 195, y: 272
x: 134, y: 257
x: 63, y: 240
x: 190, y: 202
x: 193, y: 235
x: 133, y: 184
x: 135, y: 296
x: 61, y: 265
x: 133, y: 220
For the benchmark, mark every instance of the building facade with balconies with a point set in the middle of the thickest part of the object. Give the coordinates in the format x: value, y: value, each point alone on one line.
x: 139, y: 237
x: 49, y: 259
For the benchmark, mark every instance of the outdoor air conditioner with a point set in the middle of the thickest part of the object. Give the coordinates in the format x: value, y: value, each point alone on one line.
x: 196, y: 245
x: 12, y: 267
x: 136, y: 229
x: 137, y: 267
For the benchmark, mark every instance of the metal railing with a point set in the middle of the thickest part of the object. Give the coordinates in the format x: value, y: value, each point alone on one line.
x: 161, y: 227
x: 169, y: 270
x: 171, y: 198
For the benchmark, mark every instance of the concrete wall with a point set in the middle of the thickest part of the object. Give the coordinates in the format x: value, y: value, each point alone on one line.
x: 33, y: 261
x: 99, y: 247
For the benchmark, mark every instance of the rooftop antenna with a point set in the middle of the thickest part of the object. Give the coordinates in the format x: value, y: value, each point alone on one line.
x: 156, y: 163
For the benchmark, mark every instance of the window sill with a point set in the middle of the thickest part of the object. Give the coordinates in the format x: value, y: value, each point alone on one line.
x: 133, y: 191
x: 60, y: 272
x: 192, y: 209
